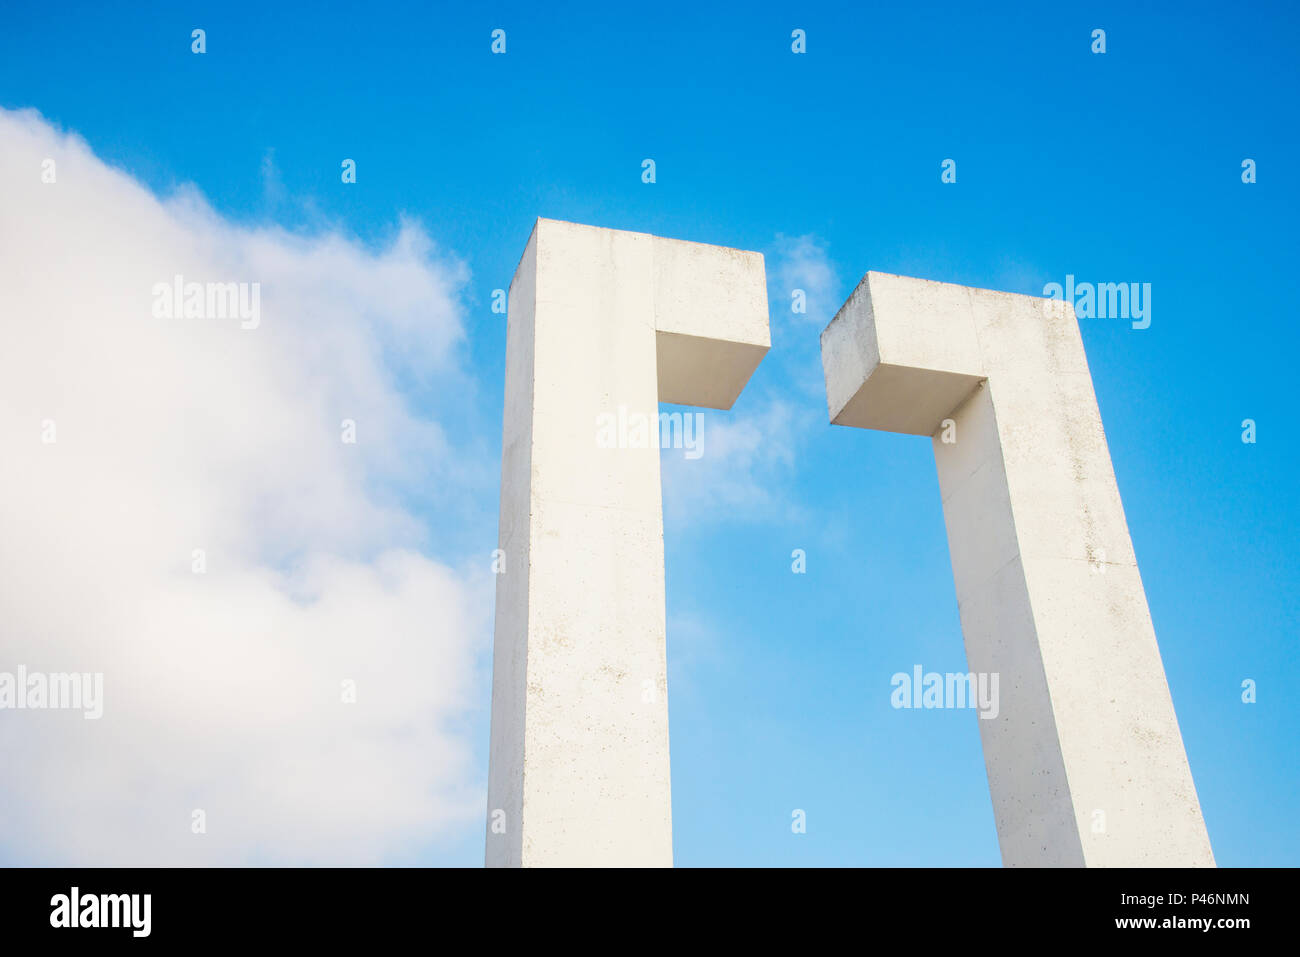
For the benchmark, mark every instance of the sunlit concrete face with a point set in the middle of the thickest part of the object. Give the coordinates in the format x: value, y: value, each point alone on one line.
x: 599, y: 319
x: 1085, y: 760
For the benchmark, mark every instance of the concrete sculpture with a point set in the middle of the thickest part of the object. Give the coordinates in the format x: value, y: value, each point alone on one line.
x: 598, y: 320
x: 1085, y: 760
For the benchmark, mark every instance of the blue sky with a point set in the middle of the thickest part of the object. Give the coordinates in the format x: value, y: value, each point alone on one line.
x: 1124, y: 166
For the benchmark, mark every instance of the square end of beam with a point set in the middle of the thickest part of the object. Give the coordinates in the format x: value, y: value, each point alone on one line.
x: 900, y: 354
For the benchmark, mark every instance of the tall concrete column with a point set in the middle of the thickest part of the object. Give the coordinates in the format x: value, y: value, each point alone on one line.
x: 601, y: 322
x: 1085, y: 760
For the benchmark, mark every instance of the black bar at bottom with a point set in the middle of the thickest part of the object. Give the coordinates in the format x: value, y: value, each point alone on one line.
x: 483, y: 909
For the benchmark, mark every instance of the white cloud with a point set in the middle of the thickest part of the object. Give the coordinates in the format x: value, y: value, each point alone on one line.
x: 222, y: 690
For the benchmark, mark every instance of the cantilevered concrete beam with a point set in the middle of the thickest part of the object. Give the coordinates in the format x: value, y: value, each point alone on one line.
x: 598, y: 319
x: 1085, y: 761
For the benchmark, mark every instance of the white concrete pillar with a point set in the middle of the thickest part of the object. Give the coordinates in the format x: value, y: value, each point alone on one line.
x: 600, y: 322
x: 1085, y: 760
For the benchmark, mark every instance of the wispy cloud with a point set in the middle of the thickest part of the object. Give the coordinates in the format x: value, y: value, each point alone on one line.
x: 741, y: 474
x: 802, y: 264
x: 805, y: 292
x: 273, y: 191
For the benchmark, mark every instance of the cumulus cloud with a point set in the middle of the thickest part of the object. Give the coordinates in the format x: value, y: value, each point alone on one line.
x: 139, y: 448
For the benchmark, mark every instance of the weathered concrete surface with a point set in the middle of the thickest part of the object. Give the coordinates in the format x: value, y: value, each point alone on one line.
x: 1047, y: 582
x: 598, y: 319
